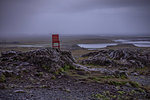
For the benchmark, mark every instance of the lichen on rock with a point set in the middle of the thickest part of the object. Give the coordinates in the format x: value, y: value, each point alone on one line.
x: 48, y: 59
x: 121, y: 57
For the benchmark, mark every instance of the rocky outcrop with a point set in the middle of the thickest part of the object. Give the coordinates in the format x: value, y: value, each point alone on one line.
x: 48, y: 59
x: 122, y: 57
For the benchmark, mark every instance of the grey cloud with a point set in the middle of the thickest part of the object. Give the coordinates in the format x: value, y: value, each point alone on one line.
x: 20, y: 17
x: 102, y: 4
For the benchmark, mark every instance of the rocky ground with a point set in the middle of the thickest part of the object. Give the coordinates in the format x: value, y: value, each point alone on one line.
x: 119, y: 58
x: 53, y: 74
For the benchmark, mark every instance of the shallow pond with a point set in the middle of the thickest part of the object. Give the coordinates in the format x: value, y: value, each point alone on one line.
x: 138, y: 43
x: 94, y: 46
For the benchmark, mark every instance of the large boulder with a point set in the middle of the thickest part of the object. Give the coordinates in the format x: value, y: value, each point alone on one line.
x: 46, y: 58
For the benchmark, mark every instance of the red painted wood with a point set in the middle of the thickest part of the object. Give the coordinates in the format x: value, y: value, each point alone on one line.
x: 55, y: 41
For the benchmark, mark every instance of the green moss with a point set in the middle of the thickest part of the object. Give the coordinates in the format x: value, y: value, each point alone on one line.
x: 53, y: 77
x: 44, y: 86
x: 106, y: 93
x: 39, y: 74
x: 123, y: 77
x: 133, y: 92
x: 141, y: 69
x: 68, y: 67
x: 99, y: 96
x: 93, y: 78
x: 117, y: 87
x: 14, y: 64
x: 134, y: 84
x: 61, y: 70
x: 140, y: 90
x: 116, y: 83
x: 107, y: 77
x: 80, y: 69
x: 81, y: 58
x: 121, y: 92
x: 68, y: 90
x: 20, y: 91
x: 2, y: 78
x: 56, y: 72
x: 120, y: 97
x: 46, y: 67
x: 112, y: 76
x: 113, y: 96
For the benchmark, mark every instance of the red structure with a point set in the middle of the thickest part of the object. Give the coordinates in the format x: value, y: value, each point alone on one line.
x: 55, y: 41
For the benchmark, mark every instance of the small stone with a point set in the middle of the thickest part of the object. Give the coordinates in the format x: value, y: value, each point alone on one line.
x: 135, y: 74
x: 24, y: 64
x: 24, y: 69
x: 2, y: 86
x: 81, y: 72
x: 129, y: 85
x: 110, y: 66
x: 20, y: 91
x: 12, y: 86
x: 67, y: 90
x: 44, y: 86
x: 31, y: 79
x: 123, y: 68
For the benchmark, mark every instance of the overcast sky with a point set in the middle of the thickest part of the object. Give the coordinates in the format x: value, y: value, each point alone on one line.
x: 19, y: 17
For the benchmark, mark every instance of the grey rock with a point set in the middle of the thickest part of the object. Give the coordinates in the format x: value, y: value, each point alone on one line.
x: 46, y: 58
x: 135, y: 74
x: 118, y: 58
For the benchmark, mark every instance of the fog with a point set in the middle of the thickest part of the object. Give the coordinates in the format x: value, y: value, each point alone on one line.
x: 72, y: 17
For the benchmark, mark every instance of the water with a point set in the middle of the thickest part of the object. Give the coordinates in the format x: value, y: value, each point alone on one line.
x: 95, y: 46
x: 137, y: 42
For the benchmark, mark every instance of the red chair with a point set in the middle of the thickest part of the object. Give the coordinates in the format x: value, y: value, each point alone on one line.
x: 55, y: 41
